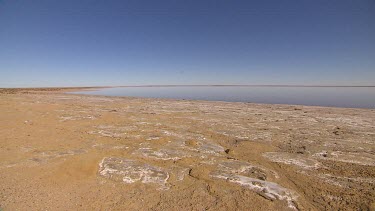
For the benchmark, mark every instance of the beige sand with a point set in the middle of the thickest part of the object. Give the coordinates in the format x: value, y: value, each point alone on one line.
x: 68, y: 152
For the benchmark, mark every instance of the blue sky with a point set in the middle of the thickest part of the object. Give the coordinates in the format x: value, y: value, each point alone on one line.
x: 93, y: 43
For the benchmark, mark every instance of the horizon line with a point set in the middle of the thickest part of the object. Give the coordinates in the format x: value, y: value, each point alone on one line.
x: 249, y: 85
x: 193, y: 85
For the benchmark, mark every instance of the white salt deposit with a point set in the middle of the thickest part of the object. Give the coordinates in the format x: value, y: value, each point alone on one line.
x: 162, y: 154
x: 243, y: 173
x: 247, y: 169
x: 269, y: 190
x: 210, y: 148
x: 362, y: 158
x: 130, y: 171
x: 293, y: 159
x: 78, y: 117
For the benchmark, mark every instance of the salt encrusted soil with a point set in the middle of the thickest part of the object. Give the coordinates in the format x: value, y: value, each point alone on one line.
x: 61, y: 151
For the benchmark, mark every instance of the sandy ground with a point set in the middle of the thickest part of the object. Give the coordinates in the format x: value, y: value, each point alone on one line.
x: 68, y: 152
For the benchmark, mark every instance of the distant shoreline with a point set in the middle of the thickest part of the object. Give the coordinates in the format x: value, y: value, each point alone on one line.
x: 213, y: 85
x: 201, y: 85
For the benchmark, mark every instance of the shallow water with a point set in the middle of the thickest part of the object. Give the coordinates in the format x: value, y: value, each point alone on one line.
x: 356, y: 97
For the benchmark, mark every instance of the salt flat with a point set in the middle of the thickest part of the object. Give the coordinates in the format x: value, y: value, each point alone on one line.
x: 60, y: 151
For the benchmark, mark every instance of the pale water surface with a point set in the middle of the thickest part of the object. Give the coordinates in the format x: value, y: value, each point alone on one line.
x: 356, y: 97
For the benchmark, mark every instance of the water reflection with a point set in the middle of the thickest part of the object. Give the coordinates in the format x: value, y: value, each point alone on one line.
x: 359, y: 97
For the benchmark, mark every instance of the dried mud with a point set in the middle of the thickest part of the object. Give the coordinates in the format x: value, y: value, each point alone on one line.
x: 61, y: 151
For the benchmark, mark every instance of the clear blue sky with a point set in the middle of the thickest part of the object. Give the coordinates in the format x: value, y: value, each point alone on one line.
x: 87, y: 42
